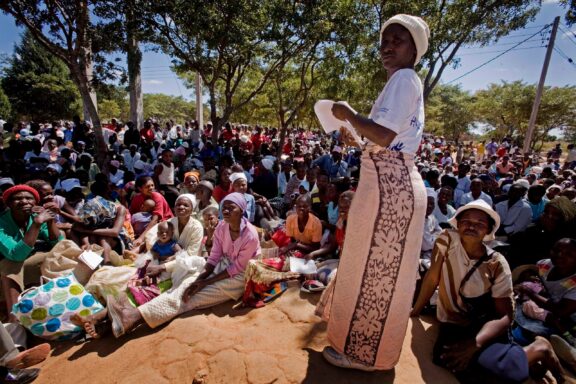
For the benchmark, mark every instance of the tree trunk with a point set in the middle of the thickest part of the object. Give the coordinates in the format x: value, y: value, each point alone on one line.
x: 79, y: 74
x: 89, y: 74
x: 283, y: 131
x: 134, y: 59
x: 216, y: 121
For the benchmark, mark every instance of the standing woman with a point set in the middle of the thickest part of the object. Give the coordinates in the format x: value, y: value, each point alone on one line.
x: 368, y: 306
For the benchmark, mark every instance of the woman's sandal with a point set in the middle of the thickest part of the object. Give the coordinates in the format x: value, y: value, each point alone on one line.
x: 311, y: 286
x: 343, y: 361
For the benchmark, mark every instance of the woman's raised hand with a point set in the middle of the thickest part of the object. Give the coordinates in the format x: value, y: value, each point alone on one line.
x: 52, y: 206
x: 341, y: 111
x: 44, y: 216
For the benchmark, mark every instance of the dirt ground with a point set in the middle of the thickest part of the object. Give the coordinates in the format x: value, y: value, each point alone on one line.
x: 281, y: 343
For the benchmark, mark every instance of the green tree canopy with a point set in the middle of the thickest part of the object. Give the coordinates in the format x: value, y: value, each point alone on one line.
x: 5, y: 107
x: 507, y: 107
x: 448, y: 112
x: 38, y: 84
x: 165, y: 107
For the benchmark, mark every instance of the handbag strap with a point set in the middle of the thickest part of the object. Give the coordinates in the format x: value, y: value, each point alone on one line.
x: 468, y: 275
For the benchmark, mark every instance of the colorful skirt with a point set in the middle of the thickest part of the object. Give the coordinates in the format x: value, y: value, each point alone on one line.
x: 368, y: 304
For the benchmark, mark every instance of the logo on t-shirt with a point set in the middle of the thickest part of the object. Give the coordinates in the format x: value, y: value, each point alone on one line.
x: 414, y: 123
x: 397, y: 146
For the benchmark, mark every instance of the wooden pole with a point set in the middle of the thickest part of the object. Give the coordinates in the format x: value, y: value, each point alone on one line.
x: 199, y: 106
x: 534, y: 114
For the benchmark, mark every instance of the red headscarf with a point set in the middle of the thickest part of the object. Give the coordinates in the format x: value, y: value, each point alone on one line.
x: 20, y: 188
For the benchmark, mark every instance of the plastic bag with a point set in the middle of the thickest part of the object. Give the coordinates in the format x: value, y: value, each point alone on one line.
x: 46, y: 310
x: 185, y: 266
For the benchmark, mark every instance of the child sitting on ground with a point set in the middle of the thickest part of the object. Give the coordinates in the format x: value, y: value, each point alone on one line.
x: 141, y: 219
x: 165, y: 246
x: 143, y: 288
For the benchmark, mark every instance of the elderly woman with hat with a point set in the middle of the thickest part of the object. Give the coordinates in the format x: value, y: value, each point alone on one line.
x: 475, y: 304
x: 25, y: 228
x: 235, y: 242
x: 370, y: 300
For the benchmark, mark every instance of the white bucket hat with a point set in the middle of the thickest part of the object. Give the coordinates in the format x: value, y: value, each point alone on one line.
x: 417, y: 28
x: 482, y: 206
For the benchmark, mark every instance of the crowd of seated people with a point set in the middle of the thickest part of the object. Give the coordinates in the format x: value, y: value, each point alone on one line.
x: 169, y: 192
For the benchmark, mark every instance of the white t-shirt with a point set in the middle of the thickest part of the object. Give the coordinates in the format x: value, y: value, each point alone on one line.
x: 400, y: 108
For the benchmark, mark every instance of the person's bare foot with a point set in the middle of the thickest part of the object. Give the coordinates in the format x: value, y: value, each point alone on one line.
x: 124, y: 317
x: 550, y: 360
x: 94, y: 325
x: 29, y: 357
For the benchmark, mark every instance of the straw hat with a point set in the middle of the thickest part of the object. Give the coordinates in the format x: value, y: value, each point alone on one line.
x: 482, y: 206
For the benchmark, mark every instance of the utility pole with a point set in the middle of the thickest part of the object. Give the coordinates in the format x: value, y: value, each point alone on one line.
x: 199, y: 106
x: 534, y: 114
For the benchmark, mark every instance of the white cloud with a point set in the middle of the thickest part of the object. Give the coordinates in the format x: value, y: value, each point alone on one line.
x: 550, y: 1
x: 153, y: 82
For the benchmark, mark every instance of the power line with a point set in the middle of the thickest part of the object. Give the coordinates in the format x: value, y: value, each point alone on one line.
x: 502, y: 50
x: 565, y: 56
x: 544, y: 36
x: 501, y: 44
x: 568, y: 33
x: 498, y: 56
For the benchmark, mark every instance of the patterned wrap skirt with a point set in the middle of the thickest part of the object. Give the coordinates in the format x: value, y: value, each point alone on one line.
x: 367, y: 305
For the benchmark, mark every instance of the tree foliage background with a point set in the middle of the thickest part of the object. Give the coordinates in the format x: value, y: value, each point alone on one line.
x: 38, y: 84
x: 267, y: 62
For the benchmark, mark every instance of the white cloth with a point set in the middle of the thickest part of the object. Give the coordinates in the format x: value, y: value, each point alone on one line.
x: 516, y: 218
x: 400, y: 108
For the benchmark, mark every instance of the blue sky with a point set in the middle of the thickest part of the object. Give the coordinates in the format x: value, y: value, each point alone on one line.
x: 520, y: 64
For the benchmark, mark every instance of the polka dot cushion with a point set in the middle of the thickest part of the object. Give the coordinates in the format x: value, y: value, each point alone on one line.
x: 46, y: 310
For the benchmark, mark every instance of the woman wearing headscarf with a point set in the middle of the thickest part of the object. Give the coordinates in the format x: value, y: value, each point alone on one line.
x: 191, y: 180
x: 475, y: 304
x: 25, y: 228
x: 235, y: 242
x: 369, y: 302
x: 188, y: 231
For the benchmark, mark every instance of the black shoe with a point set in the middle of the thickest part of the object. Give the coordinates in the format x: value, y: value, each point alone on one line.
x: 21, y: 376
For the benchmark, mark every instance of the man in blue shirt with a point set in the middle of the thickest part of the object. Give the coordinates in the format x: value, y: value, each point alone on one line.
x: 332, y: 164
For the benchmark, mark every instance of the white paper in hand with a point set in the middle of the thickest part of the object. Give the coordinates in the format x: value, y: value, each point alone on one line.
x: 302, y: 266
x: 91, y: 259
x: 323, y: 110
